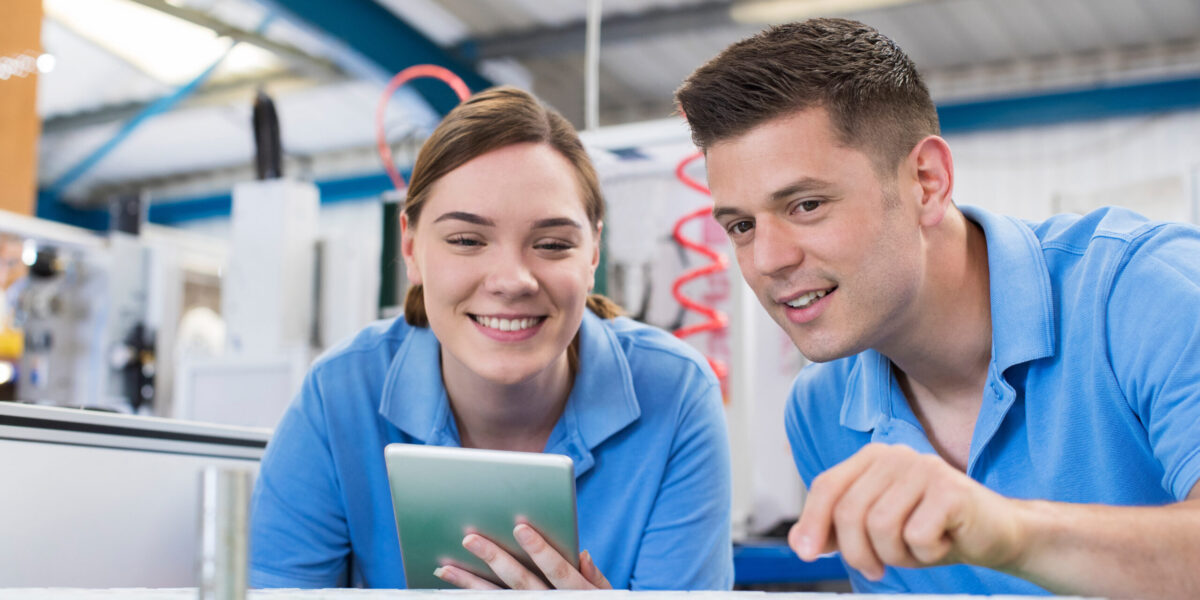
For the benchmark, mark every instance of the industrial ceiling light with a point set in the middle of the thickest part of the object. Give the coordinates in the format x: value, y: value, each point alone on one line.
x: 168, y: 49
x: 783, y: 11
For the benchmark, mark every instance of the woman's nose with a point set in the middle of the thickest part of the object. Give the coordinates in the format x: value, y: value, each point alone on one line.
x: 511, y: 278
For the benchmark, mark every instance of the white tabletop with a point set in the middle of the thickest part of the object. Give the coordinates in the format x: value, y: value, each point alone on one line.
x: 352, y: 594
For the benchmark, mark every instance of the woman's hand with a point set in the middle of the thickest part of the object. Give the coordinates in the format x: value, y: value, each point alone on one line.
x: 553, y: 566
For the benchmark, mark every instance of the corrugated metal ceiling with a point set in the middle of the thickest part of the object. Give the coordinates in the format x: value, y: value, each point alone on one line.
x: 965, y: 47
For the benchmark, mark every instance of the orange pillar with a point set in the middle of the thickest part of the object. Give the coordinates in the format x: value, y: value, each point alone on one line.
x: 20, y: 45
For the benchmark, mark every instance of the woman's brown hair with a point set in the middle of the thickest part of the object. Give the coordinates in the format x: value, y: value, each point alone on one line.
x: 490, y: 120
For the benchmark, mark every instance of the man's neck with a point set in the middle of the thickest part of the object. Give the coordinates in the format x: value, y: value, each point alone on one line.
x: 943, y: 365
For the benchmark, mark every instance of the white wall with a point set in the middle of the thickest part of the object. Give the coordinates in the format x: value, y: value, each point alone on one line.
x: 1146, y: 163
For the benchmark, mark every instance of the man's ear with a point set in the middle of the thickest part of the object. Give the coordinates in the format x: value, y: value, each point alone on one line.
x: 412, y: 272
x: 932, y: 168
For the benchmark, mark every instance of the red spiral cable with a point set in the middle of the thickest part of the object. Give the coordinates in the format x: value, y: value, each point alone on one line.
x: 441, y: 73
x: 716, y: 319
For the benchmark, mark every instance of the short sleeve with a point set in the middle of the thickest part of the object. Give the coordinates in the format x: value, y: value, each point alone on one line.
x: 1153, y: 318
x: 298, y: 532
x: 686, y: 544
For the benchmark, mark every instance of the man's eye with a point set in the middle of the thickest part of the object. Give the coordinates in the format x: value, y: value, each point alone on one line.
x: 808, y: 205
x: 739, y: 227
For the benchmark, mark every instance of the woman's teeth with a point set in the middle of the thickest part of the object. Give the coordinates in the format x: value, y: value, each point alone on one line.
x: 506, y: 324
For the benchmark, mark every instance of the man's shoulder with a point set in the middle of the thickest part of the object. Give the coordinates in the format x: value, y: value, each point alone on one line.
x: 1128, y: 229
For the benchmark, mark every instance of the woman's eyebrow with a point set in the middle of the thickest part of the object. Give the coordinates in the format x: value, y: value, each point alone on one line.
x: 472, y: 218
x: 557, y: 222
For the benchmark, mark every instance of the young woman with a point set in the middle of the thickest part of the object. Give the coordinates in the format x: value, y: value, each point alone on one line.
x: 502, y: 346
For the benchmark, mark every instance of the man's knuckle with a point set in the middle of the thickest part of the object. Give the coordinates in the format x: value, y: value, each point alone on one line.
x: 847, y: 513
x: 882, y: 519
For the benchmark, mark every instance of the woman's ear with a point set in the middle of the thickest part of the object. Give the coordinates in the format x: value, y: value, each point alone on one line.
x: 406, y: 250
x: 596, y: 248
x: 595, y: 255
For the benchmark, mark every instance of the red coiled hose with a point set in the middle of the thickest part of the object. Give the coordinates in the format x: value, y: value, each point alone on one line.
x: 717, y: 320
x: 416, y: 71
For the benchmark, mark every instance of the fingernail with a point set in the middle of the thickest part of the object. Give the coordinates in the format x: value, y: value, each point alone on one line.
x: 438, y: 572
x: 523, y: 534
x: 806, y: 549
x: 471, y: 542
x: 587, y: 557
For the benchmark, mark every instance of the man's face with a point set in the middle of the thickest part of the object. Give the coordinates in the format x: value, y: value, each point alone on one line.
x: 833, y: 254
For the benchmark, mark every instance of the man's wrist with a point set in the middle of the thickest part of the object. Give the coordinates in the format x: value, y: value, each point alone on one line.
x: 1034, y: 523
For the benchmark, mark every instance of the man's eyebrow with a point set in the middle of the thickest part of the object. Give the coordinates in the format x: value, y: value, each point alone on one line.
x: 722, y: 211
x: 557, y: 222
x: 804, y: 184
x: 458, y: 215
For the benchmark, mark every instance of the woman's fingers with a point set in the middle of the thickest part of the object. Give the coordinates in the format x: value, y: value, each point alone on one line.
x: 560, y: 572
x: 463, y: 579
x: 508, y: 569
x: 588, y: 567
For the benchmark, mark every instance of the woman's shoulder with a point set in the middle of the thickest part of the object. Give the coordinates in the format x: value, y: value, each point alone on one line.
x: 378, y: 340
x: 637, y: 335
x: 653, y: 352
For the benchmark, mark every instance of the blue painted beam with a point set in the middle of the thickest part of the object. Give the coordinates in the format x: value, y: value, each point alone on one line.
x: 385, y: 40
x: 1068, y: 106
x: 368, y: 186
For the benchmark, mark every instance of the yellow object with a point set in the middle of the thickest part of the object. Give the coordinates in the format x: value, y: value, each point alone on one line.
x: 12, y: 343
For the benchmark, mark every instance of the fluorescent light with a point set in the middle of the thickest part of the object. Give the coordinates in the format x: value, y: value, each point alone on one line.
x: 46, y: 62
x: 167, y: 48
x: 783, y: 11
x: 29, y: 252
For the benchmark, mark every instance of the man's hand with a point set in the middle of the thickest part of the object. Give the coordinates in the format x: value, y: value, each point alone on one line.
x: 890, y: 505
x: 557, y: 569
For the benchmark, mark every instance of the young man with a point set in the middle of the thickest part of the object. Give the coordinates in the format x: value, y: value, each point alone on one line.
x: 1014, y: 405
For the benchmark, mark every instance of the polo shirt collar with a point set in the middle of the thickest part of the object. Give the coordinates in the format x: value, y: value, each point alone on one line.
x: 414, y: 397
x: 1022, y: 321
x: 1021, y: 296
x: 602, y: 400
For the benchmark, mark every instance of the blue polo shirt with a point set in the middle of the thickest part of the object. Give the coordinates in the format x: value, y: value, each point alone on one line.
x: 643, y: 423
x: 1093, y: 391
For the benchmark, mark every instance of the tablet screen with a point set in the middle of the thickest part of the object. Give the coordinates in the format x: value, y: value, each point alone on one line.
x: 440, y: 494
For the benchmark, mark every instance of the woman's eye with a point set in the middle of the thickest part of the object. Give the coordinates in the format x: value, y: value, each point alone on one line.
x: 554, y: 246
x: 460, y: 240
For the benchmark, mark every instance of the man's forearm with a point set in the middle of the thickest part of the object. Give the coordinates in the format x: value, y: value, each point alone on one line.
x: 1112, y: 551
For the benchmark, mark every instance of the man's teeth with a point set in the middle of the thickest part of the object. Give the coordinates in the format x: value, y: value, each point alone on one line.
x: 807, y: 299
x: 506, y: 324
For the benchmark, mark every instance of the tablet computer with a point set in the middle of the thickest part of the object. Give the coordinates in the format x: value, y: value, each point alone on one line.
x: 440, y: 494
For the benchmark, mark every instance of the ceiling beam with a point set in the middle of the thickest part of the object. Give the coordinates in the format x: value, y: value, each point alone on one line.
x: 383, y: 38
x: 544, y: 41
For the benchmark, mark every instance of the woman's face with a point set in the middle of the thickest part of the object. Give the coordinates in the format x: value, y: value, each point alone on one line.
x: 507, y: 257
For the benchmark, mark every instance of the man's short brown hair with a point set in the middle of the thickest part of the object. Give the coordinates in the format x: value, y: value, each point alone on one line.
x: 876, y: 100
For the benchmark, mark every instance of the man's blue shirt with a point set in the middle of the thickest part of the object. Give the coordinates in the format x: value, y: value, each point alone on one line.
x: 1093, y: 391
x: 643, y: 423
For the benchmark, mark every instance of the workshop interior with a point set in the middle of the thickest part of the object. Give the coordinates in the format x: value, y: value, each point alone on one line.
x: 200, y: 197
